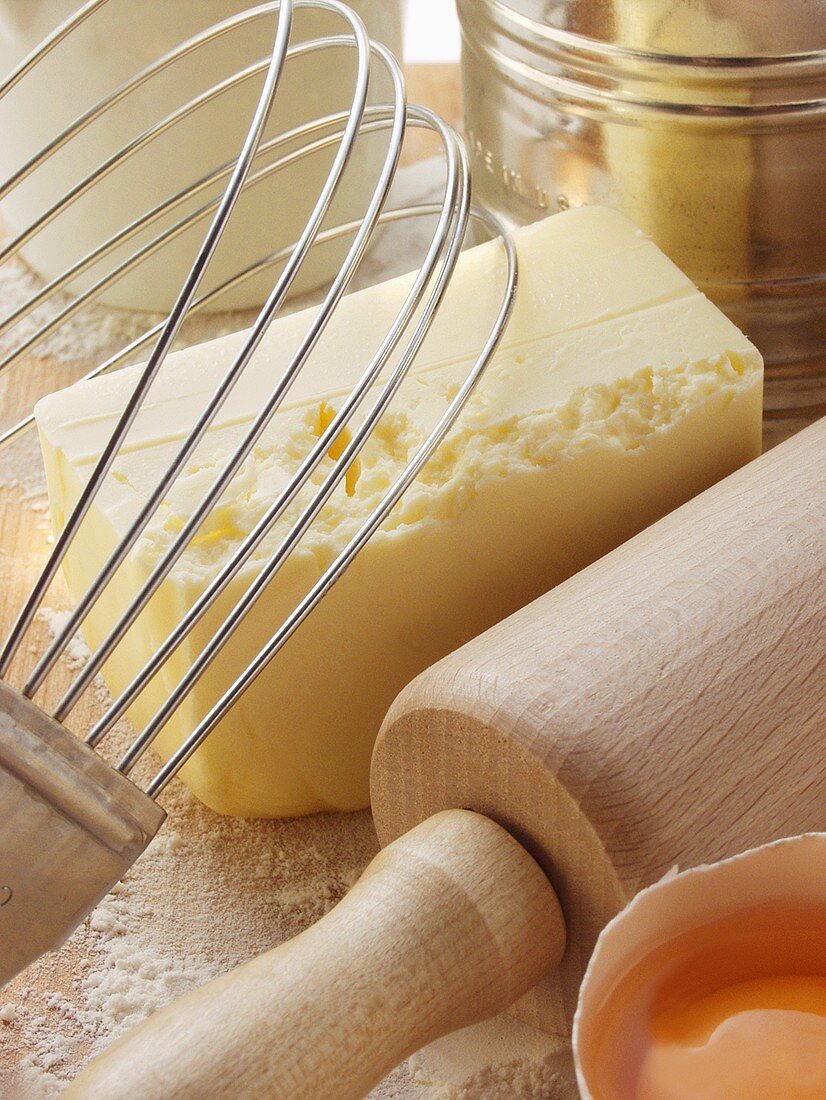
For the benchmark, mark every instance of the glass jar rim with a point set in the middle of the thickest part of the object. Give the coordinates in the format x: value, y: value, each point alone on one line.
x: 533, y: 53
x: 536, y: 34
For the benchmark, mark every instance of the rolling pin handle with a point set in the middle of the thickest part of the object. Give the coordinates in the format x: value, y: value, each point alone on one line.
x: 448, y: 925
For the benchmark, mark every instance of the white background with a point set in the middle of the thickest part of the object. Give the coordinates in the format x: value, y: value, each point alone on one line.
x: 431, y: 31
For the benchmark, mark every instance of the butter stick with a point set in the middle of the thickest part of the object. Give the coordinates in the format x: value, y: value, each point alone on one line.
x: 618, y: 392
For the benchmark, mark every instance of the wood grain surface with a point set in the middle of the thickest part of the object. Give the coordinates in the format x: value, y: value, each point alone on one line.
x: 446, y: 927
x: 666, y: 705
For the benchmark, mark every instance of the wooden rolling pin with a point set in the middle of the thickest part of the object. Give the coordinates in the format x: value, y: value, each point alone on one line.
x: 667, y: 705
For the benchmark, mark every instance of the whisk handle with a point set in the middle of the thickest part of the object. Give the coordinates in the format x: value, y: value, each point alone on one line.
x: 70, y: 827
x: 448, y: 925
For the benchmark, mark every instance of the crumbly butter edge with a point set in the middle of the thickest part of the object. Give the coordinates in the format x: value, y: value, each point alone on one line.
x: 625, y: 415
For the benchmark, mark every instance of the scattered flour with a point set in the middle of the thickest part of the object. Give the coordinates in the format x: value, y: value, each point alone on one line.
x: 154, y: 938
x: 501, y: 1059
x: 76, y: 652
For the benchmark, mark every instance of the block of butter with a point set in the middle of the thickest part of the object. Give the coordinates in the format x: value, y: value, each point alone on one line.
x: 618, y: 392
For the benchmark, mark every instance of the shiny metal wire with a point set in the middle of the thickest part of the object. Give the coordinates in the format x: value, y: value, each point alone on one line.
x: 413, y: 321
x: 256, y: 333
x: 166, y: 337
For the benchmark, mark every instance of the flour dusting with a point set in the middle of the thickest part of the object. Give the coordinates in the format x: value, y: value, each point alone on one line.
x: 154, y: 938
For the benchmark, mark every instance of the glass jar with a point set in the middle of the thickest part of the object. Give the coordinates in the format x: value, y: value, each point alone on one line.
x: 703, y: 120
x: 117, y: 42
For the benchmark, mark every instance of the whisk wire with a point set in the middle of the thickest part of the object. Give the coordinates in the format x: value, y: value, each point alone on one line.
x: 444, y: 250
x: 270, y: 406
x: 169, y: 204
x: 339, y: 131
x: 159, y: 242
x: 233, y: 281
x: 82, y: 188
x: 164, y: 342
x: 208, y: 723
x: 127, y: 87
x: 219, y: 583
x: 230, y: 379
x: 41, y: 51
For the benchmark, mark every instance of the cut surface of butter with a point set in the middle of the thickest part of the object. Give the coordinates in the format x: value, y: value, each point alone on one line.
x: 617, y: 393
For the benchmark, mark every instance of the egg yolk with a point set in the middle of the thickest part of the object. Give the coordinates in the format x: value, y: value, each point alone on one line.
x: 735, y: 1010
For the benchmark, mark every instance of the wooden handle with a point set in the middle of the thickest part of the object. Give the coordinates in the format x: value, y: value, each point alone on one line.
x: 448, y: 925
x: 664, y: 706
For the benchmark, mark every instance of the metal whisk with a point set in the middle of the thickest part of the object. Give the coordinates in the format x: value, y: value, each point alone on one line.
x: 71, y: 824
